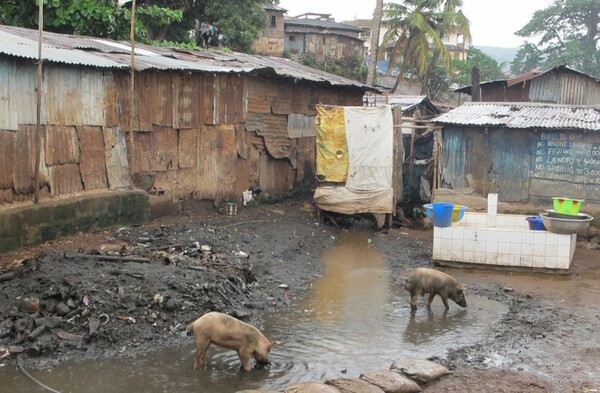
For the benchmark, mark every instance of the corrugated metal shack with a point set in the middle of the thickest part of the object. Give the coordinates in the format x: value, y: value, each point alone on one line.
x: 559, y: 85
x: 208, y: 124
x: 323, y: 38
x: 525, y: 152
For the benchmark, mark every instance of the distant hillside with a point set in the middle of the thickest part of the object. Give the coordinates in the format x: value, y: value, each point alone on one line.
x: 501, y: 55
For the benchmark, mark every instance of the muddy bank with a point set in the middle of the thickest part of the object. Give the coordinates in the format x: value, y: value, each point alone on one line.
x: 128, y: 291
x: 122, y: 292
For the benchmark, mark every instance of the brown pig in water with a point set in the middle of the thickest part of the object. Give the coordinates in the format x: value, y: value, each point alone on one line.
x: 434, y: 282
x: 229, y: 332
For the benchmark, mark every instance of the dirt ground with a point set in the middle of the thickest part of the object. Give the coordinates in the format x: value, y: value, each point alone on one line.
x: 126, y: 291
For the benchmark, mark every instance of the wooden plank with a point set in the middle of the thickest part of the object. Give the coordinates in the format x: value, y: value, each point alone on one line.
x: 62, y: 145
x: 92, y: 160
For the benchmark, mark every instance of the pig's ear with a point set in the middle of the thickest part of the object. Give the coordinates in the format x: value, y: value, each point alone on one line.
x: 274, y: 343
x: 463, y: 287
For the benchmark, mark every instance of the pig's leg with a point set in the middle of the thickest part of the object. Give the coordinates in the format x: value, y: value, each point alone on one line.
x: 201, y: 347
x: 414, y: 296
x: 244, y: 355
x: 430, y: 300
x: 445, y: 300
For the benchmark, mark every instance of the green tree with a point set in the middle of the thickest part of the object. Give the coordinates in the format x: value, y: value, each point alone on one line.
x: 489, y: 69
x: 567, y: 32
x: 239, y: 22
x: 416, y: 29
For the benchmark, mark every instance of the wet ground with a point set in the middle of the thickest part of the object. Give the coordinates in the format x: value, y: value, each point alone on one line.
x: 333, y: 296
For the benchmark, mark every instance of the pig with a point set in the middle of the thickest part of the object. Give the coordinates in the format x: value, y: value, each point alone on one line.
x: 434, y: 282
x: 229, y: 332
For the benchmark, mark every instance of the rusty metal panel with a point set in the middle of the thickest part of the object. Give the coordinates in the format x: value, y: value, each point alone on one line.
x: 276, y: 175
x: 24, y: 159
x: 115, y: 153
x: 242, y: 141
x: 154, y: 99
x: 18, y: 97
x: 188, y: 147
x: 92, y: 161
x: 187, y: 100
x: 166, y: 180
x: 7, y: 146
x: 282, y: 102
x: 274, y: 125
x: 230, y: 98
x: 217, y: 161
x: 156, y: 151
x: 300, y: 125
x: 254, y: 122
x: 111, y: 101
x: 307, y: 152
x: 259, y: 104
x: 65, y: 179
x: 187, y: 178
x: 122, y: 87
x: 74, y: 96
x: 281, y: 147
x: 209, y: 100
x: 62, y: 145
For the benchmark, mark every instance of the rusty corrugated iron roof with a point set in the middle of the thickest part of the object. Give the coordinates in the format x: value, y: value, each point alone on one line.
x: 105, y: 53
x: 515, y: 80
x: 523, y: 115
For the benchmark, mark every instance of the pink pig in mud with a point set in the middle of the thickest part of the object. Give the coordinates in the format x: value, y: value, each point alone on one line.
x: 434, y: 282
x: 231, y: 333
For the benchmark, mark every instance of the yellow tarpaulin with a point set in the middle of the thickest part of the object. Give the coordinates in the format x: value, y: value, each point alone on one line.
x: 332, y: 149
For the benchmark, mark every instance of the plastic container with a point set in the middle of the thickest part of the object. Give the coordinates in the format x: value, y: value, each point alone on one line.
x: 567, y: 205
x: 536, y: 223
x: 458, y: 212
x: 442, y: 214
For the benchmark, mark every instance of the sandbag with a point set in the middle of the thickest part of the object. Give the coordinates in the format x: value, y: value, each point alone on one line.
x: 353, y: 385
x: 421, y: 370
x: 310, y: 387
x: 391, y: 382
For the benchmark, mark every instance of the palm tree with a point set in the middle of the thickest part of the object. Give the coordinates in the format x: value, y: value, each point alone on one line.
x: 416, y: 28
x: 377, y: 14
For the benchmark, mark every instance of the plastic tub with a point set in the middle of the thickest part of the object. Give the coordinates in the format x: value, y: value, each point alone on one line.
x: 564, y: 205
x: 536, y: 223
x: 442, y: 214
x: 458, y: 212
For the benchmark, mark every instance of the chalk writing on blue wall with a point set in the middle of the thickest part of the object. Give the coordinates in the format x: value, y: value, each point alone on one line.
x: 563, y: 157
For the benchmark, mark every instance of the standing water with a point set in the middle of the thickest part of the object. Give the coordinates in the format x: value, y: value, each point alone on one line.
x: 356, y: 319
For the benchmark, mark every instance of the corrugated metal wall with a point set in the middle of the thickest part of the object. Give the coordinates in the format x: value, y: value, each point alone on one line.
x: 521, y: 165
x: 210, y: 135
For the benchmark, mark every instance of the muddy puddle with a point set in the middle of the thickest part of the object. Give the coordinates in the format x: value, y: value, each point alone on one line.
x: 355, y: 319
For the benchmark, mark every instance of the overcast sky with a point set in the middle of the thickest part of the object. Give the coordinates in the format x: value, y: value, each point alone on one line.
x: 493, y: 22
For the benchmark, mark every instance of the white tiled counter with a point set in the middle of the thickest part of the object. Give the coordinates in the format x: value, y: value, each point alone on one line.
x: 471, y: 241
x: 503, y: 240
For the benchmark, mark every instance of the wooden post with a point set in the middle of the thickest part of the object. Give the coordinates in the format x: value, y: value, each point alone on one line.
x: 38, y: 130
x: 132, y: 111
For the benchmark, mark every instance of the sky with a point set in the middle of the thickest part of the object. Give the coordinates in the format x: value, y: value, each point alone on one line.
x: 493, y: 22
